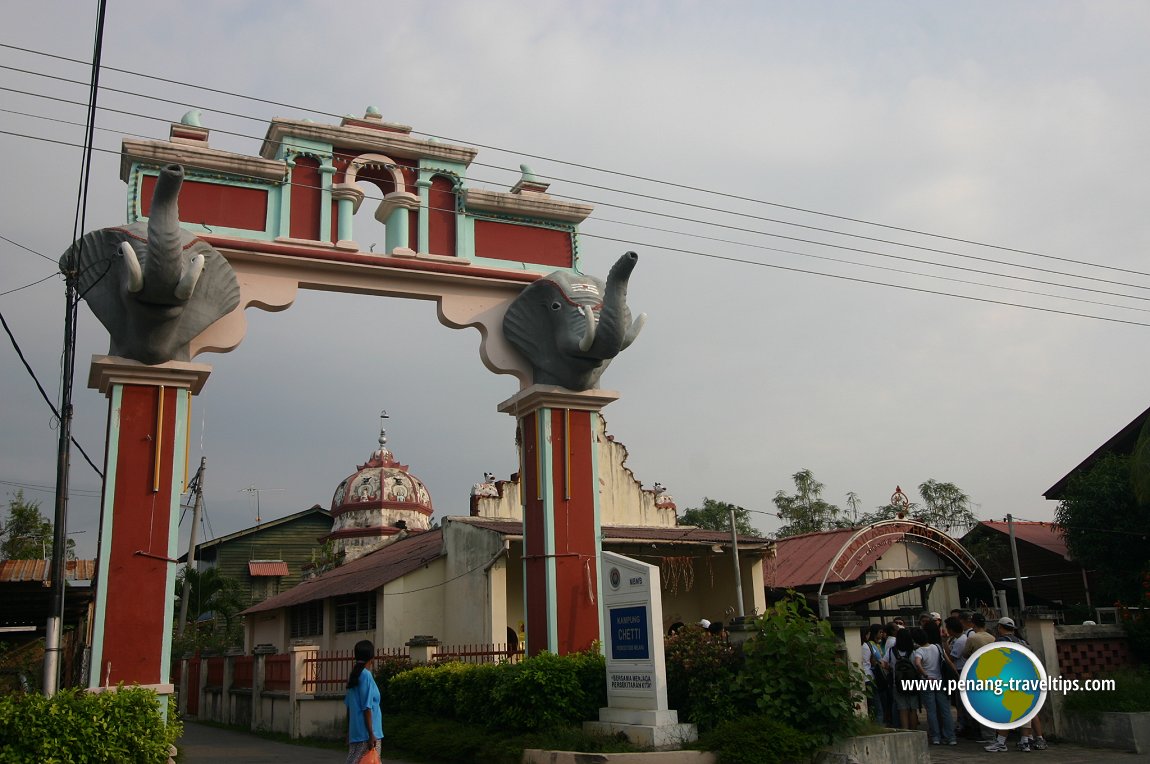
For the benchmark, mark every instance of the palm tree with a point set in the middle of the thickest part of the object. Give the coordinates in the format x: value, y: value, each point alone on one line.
x: 209, y: 591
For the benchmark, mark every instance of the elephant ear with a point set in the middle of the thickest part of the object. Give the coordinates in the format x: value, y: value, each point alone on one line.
x: 521, y: 323
x: 97, y: 264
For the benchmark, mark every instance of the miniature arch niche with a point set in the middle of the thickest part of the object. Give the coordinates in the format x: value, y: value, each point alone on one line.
x: 396, y: 202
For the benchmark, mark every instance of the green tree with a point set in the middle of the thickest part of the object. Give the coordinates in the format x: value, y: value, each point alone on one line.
x: 26, y: 534
x: 214, y: 593
x: 805, y: 511
x: 945, y: 506
x: 716, y: 516
x: 1106, y: 527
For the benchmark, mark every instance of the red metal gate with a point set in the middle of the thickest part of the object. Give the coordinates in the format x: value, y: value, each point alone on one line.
x: 193, y: 696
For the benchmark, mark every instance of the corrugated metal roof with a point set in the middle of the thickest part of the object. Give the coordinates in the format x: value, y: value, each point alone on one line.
x: 876, y: 590
x: 267, y: 568
x: 1045, y: 535
x: 21, y: 571
x: 803, y: 560
x: 366, y: 574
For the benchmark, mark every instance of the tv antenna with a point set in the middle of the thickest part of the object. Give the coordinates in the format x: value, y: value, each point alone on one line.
x: 252, y: 489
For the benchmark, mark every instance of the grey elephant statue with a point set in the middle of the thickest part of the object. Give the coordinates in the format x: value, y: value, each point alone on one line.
x: 570, y: 326
x: 154, y: 286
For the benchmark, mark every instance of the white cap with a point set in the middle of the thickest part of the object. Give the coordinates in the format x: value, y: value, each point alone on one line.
x: 705, y: 623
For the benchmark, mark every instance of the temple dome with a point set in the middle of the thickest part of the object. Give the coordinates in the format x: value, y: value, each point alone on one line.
x: 380, y: 502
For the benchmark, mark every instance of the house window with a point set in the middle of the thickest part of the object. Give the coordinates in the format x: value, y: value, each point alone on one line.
x: 307, y: 620
x: 355, y: 613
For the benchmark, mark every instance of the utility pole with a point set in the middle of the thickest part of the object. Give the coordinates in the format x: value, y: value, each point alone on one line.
x: 197, y: 487
x: 53, y: 627
x: 1017, y: 575
x: 735, y: 557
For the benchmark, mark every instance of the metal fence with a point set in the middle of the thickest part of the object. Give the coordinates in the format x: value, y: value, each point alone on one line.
x: 479, y: 653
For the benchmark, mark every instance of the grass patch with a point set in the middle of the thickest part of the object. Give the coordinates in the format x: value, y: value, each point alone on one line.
x: 1131, y: 694
x: 435, y: 740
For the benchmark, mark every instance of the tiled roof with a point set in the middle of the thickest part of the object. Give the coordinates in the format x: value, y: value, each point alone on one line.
x: 382, y: 566
x: 365, y: 574
x: 267, y: 568
x: 21, y: 571
x: 1045, y: 535
x: 803, y: 560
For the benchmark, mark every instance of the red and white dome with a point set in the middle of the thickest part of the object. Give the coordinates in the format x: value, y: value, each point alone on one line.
x: 378, y: 502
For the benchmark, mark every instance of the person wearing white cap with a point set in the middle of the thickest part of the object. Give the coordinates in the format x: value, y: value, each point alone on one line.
x: 1028, y: 742
x: 705, y: 623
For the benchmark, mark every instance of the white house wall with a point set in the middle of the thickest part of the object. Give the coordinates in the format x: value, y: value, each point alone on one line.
x: 904, y: 559
x: 476, y: 588
x: 412, y: 604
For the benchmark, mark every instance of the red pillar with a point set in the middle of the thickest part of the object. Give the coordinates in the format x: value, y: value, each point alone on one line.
x: 144, y: 475
x: 561, y: 527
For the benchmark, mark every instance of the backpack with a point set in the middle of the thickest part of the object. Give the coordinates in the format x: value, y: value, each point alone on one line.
x: 904, y: 670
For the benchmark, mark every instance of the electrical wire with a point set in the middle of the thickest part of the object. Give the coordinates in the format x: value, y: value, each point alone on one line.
x: 627, y: 175
x: 725, y: 226
x: 584, y: 166
x: 26, y: 286
x: 871, y: 252
x: 43, y: 392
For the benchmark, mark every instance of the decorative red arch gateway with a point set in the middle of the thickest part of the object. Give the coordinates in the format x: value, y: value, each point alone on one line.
x: 283, y: 220
x: 876, y: 538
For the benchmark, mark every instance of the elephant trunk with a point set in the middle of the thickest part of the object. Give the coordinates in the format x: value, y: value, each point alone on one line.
x: 613, y: 329
x: 167, y: 279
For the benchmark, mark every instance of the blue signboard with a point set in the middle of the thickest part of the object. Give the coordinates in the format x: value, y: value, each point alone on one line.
x: 629, y: 634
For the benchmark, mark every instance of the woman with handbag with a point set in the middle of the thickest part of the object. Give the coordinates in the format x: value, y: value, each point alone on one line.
x: 364, y: 720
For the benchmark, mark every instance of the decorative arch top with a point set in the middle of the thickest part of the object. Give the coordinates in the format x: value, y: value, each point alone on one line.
x: 878, y: 537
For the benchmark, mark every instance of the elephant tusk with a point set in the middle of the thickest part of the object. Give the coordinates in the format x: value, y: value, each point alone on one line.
x: 189, y: 278
x: 636, y: 327
x: 132, y: 263
x: 589, y: 334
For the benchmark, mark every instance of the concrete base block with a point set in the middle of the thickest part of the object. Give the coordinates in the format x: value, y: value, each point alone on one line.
x: 647, y: 735
x: 539, y: 756
x: 903, y: 746
x: 638, y: 716
x: 1109, y: 729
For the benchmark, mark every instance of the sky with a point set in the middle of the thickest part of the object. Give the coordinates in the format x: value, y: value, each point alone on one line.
x: 996, y: 145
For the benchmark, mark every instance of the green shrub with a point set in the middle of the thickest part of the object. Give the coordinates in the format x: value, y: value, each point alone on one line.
x: 759, y: 740
x: 77, y: 726
x: 1131, y: 694
x: 542, y: 692
x: 794, y: 674
x: 701, y: 674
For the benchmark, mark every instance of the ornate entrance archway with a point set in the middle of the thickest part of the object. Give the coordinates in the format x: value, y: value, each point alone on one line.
x: 877, y: 537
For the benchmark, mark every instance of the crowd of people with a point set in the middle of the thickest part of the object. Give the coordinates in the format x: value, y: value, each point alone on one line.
x: 894, y: 655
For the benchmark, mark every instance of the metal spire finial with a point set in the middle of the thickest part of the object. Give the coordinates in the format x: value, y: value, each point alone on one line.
x: 382, y: 432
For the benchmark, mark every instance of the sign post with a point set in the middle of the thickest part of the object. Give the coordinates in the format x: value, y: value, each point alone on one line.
x: 636, y: 670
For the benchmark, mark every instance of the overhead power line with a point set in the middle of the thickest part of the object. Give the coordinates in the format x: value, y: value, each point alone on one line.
x: 568, y: 163
x: 686, y: 251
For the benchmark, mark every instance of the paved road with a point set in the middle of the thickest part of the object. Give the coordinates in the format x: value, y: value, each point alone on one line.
x: 202, y: 744
x: 1064, y: 753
